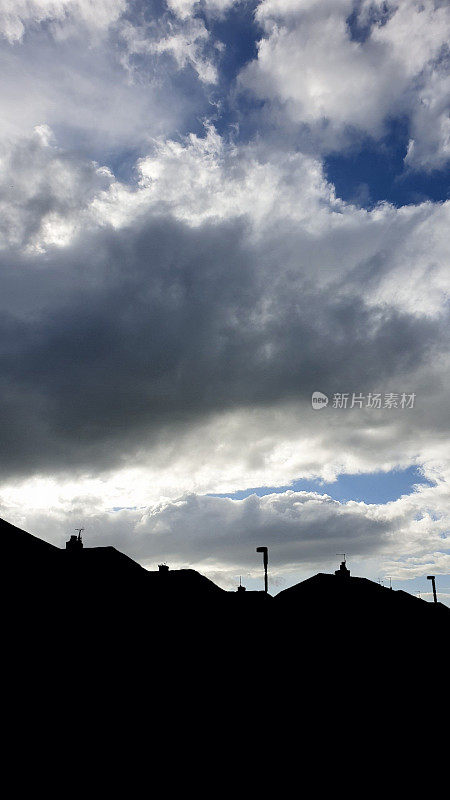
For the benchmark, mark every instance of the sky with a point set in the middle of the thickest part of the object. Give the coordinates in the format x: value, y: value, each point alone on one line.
x: 213, y: 214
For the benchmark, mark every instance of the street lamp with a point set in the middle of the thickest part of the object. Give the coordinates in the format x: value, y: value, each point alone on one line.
x: 431, y: 578
x: 264, y: 551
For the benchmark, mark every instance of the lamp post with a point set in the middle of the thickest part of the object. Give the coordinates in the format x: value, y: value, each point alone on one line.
x: 264, y: 551
x: 431, y: 578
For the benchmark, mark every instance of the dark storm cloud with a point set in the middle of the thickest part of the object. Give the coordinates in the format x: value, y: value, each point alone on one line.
x: 114, y: 342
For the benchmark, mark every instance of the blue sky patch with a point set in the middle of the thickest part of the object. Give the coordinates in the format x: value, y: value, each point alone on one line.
x: 239, y: 32
x: 372, y: 487
x: 375, y: 172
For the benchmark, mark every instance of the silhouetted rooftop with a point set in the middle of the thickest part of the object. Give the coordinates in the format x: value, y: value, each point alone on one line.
x: 103, y: 577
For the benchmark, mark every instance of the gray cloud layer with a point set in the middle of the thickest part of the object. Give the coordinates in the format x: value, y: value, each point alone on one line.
x: 129, y: 331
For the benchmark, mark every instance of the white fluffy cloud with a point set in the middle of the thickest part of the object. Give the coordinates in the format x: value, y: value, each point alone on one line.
x: 100, y: 75
x: 185, y: 8
x: 311, y: 65
x: 398, y: 256
x: 17, y: 15
x: 184, y: 41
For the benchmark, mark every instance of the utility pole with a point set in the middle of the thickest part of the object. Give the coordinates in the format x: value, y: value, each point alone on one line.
x: 264, y: 551
x: 432, y: 579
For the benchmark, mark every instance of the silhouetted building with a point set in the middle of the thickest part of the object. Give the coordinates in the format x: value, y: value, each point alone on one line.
x: 163, y: 568
x: 241, y: 588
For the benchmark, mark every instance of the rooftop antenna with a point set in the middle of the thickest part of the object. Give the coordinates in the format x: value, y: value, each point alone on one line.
x: 264, y: 551
x: 342, y: 554
x: 433, y: 582
x: 79, y: 533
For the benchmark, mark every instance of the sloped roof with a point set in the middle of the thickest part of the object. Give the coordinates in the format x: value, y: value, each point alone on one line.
x: 16, y: 542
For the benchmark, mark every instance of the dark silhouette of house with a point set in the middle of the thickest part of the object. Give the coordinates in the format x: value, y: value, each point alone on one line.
x: 361, y: 613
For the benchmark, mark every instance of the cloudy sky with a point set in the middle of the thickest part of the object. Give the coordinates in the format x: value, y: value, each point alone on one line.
x: 209, y: 211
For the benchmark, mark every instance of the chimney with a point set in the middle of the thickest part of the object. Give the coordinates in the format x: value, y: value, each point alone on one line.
x: 342, y: 572
x: 74, y: 544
